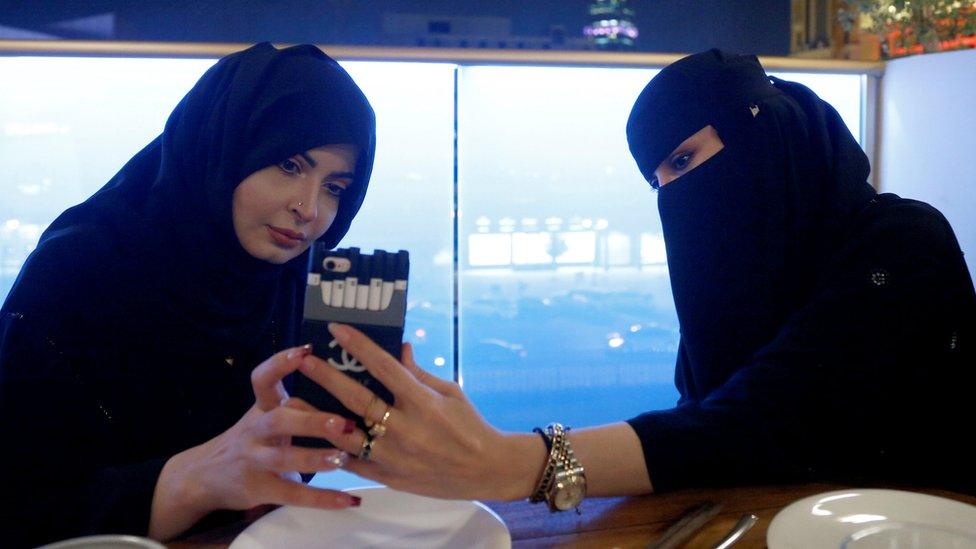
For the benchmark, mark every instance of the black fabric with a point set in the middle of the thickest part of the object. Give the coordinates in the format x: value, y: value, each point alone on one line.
x: 115, y: 334
x: 705, y: 84
x: 814, y: 314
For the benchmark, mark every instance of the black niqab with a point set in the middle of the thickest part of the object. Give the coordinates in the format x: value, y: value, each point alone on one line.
x: 747, y: 231
x: 827, y: 332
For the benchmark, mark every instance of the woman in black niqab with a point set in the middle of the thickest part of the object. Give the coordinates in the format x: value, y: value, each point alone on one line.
x: 826, y: 331
x: 132, y: 331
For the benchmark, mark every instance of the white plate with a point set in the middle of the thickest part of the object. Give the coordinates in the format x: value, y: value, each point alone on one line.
x: 868, y: 519
x: 110, y: 541
x: 387, y: 518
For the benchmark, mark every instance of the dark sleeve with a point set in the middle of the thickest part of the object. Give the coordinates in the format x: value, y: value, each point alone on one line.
x: 62, y: 468
x: 866, y: 382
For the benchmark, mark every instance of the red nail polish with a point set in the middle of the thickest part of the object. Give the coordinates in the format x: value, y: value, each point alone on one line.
x: 349, y: 427
x: 355, y: 501
x: 306, y: 349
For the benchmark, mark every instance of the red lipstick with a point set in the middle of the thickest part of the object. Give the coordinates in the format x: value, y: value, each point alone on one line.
x: 285, y: 237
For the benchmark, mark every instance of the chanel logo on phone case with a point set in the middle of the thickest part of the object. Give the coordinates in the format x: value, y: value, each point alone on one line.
x: 346, y: 363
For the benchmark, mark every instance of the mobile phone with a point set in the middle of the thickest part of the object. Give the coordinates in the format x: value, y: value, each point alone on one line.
x: 327, y: 299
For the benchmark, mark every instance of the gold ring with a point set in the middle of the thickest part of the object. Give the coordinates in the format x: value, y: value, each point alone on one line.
x: 367, y: 447
x: 379, y: 428
x: 369, y: 422
x: 367, y: 416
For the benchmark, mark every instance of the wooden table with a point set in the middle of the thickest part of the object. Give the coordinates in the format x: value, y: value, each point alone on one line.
x: 623, y: 521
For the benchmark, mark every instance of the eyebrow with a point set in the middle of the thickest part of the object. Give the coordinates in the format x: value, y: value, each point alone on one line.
x: 334, y: 175
x: 311, y: 161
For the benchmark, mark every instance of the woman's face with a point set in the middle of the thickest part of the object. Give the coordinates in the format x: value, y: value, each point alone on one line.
x: 280, y: 210
x: 690, y: 154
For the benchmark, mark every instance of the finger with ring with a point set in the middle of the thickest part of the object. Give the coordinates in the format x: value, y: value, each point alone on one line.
x: 372, y: 411
x: 379, y: 428
x: 367, y: 448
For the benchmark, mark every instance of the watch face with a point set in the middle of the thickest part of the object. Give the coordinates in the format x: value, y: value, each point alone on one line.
x: 568, y: 494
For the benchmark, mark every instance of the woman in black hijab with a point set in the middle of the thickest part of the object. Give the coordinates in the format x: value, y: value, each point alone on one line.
x: 827, y: 332
x: 137, y: 390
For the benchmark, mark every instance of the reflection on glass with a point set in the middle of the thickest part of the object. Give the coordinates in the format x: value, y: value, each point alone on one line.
x: 532, y: 249
x: 618, y: 249
x: 578, y: 247
x: 652, y: 249
x: 546, y: 325
x: 66, y: 126
x: 410, y: 202
x: 489, y: 250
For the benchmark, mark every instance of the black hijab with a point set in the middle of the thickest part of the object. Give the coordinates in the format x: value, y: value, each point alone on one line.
x: 138, y: 319
x: 167, y: 217
x: 748, y: 231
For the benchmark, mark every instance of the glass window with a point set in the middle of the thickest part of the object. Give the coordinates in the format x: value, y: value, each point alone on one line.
x: 410, y: 203
x: 67, y: 124
x: 563, y: 321
x: 564, y: 309
x: 843, y: 91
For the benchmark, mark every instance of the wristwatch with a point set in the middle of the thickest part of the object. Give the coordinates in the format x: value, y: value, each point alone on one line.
x: 563, y: 482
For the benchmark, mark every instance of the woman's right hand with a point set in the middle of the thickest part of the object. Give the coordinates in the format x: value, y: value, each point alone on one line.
x: 253, y: 463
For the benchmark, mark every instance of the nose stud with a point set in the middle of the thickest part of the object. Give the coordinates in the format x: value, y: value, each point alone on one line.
x: 300, y: 204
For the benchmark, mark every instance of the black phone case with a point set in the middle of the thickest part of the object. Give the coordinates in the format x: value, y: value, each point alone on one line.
x: 385, y: 327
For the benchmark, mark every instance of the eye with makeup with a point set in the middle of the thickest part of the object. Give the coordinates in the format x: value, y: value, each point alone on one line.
x: 290, y: 167
x: 335, y: 189
x: 680, y: 161
x: 673, y: 167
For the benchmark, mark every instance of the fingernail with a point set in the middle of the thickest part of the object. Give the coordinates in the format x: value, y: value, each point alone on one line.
x: 339, y: 331
x: 354, y: 501
x: 337, y: 460
x: 349, y: 427
x: 300, y: 352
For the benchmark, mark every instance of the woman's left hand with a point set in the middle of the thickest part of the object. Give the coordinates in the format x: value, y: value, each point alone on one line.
x: 435, y: 443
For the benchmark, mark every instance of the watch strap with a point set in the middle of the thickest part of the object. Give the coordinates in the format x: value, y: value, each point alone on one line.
x: 553, y: 436
x: 567, y: 468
